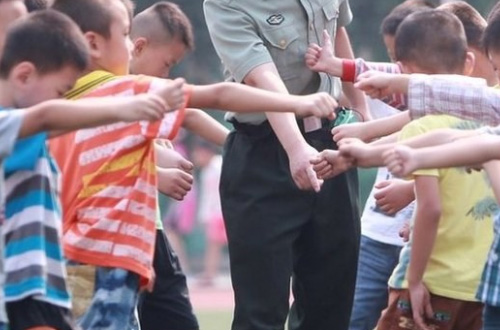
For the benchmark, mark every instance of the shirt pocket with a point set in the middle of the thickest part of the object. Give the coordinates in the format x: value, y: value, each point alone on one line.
x: 330, y: 11
x: 283, y: 45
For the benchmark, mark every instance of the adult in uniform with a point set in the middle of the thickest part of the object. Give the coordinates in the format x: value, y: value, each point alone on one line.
x: 278, y: 227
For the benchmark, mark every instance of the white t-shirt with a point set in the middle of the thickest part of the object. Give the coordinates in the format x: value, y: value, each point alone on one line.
x: 379, y: 226
x: 374, y: 223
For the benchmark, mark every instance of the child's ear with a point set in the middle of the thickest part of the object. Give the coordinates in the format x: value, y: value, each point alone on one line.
x: 95, y: 43
x: 23, y: 73
x: 140, y: 45
x: 470, y: 62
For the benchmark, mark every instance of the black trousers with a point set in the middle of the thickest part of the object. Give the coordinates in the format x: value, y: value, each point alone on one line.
x: 277, y: 231
x: 168, y: 306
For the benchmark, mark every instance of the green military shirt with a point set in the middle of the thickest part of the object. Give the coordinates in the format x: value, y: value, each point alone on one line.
x: 249, y: 33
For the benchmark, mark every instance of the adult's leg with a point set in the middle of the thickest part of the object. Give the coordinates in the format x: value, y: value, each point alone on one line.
x: 327, y: 256
x: 376, y: 263
x: 263, y: 211
x: 168, y: 305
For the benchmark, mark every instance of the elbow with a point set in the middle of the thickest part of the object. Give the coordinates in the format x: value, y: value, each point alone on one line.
x: 432, y: 212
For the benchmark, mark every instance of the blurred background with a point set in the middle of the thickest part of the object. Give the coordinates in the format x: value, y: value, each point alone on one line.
x: 185, y: 224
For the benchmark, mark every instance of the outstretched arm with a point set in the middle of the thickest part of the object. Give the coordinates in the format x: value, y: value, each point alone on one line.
x: 402, y: 160
x: 65, y: 115
x: 201, y: 124
x: 367, y: 131
x: 242, y: 98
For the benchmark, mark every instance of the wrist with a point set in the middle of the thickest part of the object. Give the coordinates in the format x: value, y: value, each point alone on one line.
x: 400, y: 84
x: 348, y: 70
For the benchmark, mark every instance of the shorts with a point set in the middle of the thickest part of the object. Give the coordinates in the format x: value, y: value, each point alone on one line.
x: 30, y: 313
x: 107, y: 297
x: 448, y: 313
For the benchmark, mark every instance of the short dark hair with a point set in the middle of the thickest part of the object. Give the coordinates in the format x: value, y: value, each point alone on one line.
x: 91, y: 15
x: 46, y: 38
x: 434, y: 40
x: 33, y: 5
x: 491, y: 36
x: 392, y: 21
x: 474, y: 24
x: 173, y: 20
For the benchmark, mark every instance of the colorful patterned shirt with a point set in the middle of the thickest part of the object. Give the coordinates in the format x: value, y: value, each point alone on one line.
x: 109, y: 181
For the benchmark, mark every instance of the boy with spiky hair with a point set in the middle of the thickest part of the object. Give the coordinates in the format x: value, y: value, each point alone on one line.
x: 162, y: 35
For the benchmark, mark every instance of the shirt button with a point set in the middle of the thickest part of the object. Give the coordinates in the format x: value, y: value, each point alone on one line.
x: 283, y: 43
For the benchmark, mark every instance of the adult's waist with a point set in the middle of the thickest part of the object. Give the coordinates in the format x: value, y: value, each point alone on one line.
x: 264, y: 129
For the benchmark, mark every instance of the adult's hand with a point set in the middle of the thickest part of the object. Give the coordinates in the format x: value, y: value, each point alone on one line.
x: 301, y: 168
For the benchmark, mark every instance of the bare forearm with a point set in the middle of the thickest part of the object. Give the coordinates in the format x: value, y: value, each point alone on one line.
x: 438, y: 137
x: 240, y: 98
x: 465, y: 152
x: 201, y: 124
x: 386, y: 126
x: 424, y: 235
x: 343, y: 49
x: 69, y: 115
x: 425, y: 226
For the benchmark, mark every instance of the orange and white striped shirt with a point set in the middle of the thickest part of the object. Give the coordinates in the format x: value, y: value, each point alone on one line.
x: 109, y: 181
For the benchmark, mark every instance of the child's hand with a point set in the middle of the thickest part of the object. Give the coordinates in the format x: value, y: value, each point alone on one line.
x: 140, y: 107
x: 318, y: 105
x: 400, y: 161
x: 404, y: 232
x: 351, y: 130
x: 378, y: 84
x: 329, y: 163
x: 421, y: 305
x: 174, y: 182
x: 173, y: 93
x: 355, y: 149
x: 322, y: 59
x: 167, y: 157
x: 393, y: 195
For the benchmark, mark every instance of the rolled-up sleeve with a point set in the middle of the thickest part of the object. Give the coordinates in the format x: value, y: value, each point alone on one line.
x: 235, y: 38
x: 464, y: 97
x: 345, y: 14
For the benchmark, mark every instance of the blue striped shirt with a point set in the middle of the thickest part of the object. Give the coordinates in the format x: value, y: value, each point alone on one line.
x: 34, y: 264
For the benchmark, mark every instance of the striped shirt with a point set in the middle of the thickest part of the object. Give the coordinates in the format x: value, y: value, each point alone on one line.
x: 109, y: 181
x: 34, y: 264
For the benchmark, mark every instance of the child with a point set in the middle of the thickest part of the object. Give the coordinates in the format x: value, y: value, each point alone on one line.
x: 42, y: 69
x: 162, y: 35
x: 111, y: 204
x: 426, y: 290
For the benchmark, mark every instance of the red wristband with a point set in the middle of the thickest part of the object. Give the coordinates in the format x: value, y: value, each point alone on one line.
x: 348, y: 70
